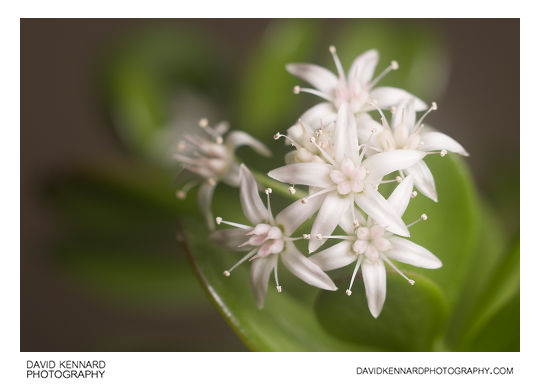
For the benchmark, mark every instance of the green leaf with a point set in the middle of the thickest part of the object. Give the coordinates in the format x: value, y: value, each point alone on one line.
x: 412, y: 317
x: 287, y: 322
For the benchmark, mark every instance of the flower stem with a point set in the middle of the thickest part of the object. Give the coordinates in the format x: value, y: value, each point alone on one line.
x: 276, y: 186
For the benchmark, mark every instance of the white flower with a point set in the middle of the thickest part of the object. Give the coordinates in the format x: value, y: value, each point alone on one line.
x: 348, y: 178
x: 212, y: 160
x: 370, y: 245
x: 356, y: 89
x: 269, y: 238
x: 407, y: 133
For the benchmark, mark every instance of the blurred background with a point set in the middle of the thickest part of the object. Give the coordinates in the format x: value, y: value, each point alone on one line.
x: 102, y: 104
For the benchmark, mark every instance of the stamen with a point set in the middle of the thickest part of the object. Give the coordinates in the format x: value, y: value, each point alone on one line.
x: 349, y: 292
x: 203, y: 123
x: 292, y: 190
x: 220, y: 220
x: 433, y: 107
x: 328, y: 158
x: 306, y: 236
x: 339, y: 67
x: 342, y: 237
x: 414, y: 194
x: 278, y: 135
x: 181, y: 145
x: 227, y: 273
x: 211, y: 181
x: 383, y: 117
x: 268, y: 191
x: 397, y: 179
x: 278, y: 287
x: 219, y: 139
x: 323, y: 191
x: 181, y: 194
x: 387, y: 260
x: 423, y: 217
x: 393, y: 66
x: 367, y: 145
x: 443, y: 153
x: 298, y: 89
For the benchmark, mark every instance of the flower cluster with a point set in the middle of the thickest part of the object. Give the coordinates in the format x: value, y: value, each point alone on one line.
x: 341, y: 154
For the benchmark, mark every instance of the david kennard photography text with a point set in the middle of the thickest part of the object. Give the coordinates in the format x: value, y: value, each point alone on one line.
x: 65, y: 369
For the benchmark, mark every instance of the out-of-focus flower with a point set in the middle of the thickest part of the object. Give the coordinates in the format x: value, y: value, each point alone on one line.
x: 405, y: 132
x: 347, y: 178
x: 370, y: 245
x: 211, y: 159
x: 269, y: 238
x: 356, y: 88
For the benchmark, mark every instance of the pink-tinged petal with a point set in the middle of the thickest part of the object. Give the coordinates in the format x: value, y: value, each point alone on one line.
x: 405, y: 114
x: 344, y: 188
x: 319, y: 77
x: 384, y: 163
x: 410, y: 253
x: 360, y: 246
x: 376, y: 231
x: 259, y: 275
x: 252, y: 205
x: 332, y: 208
x: 387, y: 97
x: 382, y: 244
x: 435, y: 141
x: 231, y: 238
x: 337, y: 176
x: 400, y: 197
x: 423, y: 179
x: 345, y: 135
x: 374, y: 275
x: 309, y: 174
x: 366, y: 125
x: 378, y: 209
x: 204, y: 197
x: 322, y: 112
x: 292, y: 216
x: 334, y: 257
x: 305, y: 269
x: 363, y: 68
x: 232, y: 177
x: 240, y: 138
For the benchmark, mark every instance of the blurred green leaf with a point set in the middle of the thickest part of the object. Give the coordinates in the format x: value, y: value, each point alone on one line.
x: 287, y: 323
x: 412, y: 317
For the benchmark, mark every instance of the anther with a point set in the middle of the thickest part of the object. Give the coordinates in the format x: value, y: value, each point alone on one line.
x: 332, y: 49
x: 434, y: 106
x: 348, y: 292
x: 424, y: 217
x: 304, y: 200
x: 414, y: 194
x: 312, y: 139
x: 219, y: 139
x: 411, y: 282
x: 211, y: 181
x: 181, y: 145
x: 356, y: 223
x: 443, y: 153
x: 393, y: 109
x: 203, y: 123
x: 296, y: 90
x: 292, y: 190
x: 218, y: 220
x: 180, y: 194
x: 318, y: 236
x: 277, y: 135
x: 394, y: 65
x: 306, y: 236
x: 399, y: 179
x: 278, y: 289
x: 268, y: 191
x: 226, y: 273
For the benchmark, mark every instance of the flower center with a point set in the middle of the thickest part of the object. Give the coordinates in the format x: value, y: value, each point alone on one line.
x: 268, y: 238
x: 348, y: 177
x: 371, y: 242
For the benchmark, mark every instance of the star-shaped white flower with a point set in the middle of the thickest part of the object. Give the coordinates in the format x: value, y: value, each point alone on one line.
x: 211, y: 159
x: 268, y: 239
x: 405, y: 132
x: 356, y: 88
x: 370, y: 245
x: 348, y: 178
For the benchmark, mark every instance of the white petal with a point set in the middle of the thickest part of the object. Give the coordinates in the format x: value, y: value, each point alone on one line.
x: 259, y: 275
x: 297, y: 213
x: 365, y: 124
x: 309, y: 174
x: 387, y: 97
x: 232, y: 177
x: 405, y: 114
x: 319, y: 77
x: 434, y: 141
x: 204, y: 197
x: 332, y: 209
x: 400, y: 197
x: 305, y: 269
x: 322, y: 112
x: 410, y: 253
x: 384, y: 163
x: 240, y: 138
x: 374, y: 275
x: 252, y: 205
x: 231, y: 238
x: 345, y: 135
x: 378, y: 209
x: 423, y: 179
x: 335, y: 257
x: 346, y: 221
x: 363, y: 68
